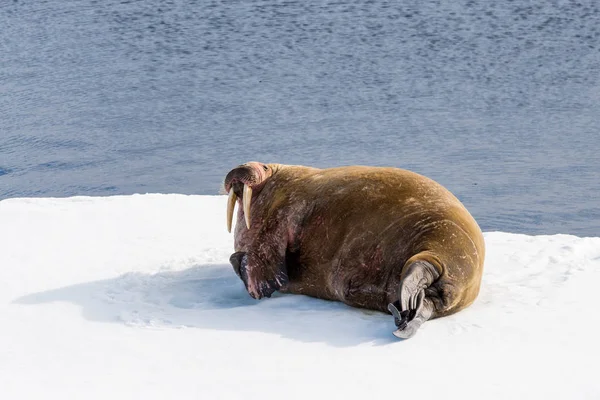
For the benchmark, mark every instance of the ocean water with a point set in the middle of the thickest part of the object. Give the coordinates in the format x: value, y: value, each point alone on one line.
x: 498, y: 101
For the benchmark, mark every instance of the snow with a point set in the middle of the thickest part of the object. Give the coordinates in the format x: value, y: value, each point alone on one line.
x: 133, y: 297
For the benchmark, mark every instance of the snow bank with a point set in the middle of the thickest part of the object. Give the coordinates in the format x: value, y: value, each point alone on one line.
x: 132, y: 297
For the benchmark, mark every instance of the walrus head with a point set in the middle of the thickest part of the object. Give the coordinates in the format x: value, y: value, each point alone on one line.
x: 242, y: 182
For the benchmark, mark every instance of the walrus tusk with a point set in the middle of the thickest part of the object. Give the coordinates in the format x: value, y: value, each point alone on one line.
x: 247, y: 201
x: 230, y: 206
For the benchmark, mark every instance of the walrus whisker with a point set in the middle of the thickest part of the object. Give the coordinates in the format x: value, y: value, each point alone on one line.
x: 247, y: 202
x: 230, y: 206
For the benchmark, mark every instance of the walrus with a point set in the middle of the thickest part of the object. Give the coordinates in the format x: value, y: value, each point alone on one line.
x: 379, y: 238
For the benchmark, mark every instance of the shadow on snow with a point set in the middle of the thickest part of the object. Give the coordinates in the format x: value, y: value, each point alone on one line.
x: 212, y: 297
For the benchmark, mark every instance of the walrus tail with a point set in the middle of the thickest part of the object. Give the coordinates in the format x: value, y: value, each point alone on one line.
x: 412, y: 308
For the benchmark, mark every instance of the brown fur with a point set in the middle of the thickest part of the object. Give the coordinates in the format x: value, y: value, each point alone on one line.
x: 346, y: 234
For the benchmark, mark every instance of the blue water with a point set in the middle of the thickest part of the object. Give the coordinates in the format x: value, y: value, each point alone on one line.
x: 499, y: 101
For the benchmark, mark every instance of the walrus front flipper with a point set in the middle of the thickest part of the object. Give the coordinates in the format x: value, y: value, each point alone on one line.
x: 413, y: 308
x: 261, y: 280
x: 236, y: 261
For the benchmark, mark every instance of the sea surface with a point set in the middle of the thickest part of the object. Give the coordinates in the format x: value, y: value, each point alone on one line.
x: 498, y: 101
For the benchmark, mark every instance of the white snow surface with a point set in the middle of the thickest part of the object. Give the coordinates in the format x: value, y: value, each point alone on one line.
x: 133, y: 297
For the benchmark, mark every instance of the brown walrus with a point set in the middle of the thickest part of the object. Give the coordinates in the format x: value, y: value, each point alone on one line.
x: 380, y: 238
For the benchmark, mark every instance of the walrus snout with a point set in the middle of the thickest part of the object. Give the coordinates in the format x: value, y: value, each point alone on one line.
x: 252, y: 174
x: 240, y: 182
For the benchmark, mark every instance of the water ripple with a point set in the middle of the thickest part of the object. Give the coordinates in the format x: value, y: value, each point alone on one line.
x: 499, y: 101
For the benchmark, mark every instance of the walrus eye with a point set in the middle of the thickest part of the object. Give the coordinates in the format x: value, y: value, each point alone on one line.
x: 265, y: 167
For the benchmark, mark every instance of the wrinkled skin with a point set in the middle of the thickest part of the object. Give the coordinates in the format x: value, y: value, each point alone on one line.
x: 379, y: 238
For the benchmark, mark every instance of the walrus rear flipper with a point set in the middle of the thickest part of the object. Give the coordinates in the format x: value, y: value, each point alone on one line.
x: 413, y: 308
